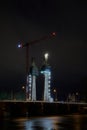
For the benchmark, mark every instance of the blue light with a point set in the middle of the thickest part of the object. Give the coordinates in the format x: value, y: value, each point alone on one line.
x: 19, y: 45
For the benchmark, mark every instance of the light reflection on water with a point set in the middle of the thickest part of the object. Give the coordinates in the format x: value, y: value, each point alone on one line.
x: 70, y: 122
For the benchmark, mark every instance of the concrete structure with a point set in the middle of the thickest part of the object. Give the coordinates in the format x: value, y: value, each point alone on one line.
x: 46, y: 71
x: 27, y: 87
x: 27, y: 46
x: 32, y: 81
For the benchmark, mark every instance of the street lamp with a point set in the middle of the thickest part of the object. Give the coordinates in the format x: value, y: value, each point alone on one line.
x: 23, y: 87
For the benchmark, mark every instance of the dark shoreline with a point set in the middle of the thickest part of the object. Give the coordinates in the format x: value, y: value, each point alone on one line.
x: 23, y: 108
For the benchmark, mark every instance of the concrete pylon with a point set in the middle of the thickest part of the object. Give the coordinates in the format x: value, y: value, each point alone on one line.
x: 46, y: 71
x: 32, y: 81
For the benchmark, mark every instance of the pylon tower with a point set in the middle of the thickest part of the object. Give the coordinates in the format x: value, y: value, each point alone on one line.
x: 32, y: 81
x: 46, y: 71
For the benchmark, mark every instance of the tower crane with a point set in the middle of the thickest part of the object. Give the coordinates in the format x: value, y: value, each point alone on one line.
x: 27, y: 45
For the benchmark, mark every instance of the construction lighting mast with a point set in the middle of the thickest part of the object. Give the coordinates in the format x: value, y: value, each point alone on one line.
x: 27, y: 45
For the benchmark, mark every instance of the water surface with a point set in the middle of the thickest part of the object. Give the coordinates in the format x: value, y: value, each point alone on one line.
x: 69, y: 122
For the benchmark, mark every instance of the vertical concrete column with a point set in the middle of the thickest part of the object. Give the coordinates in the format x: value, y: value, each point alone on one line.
x: 33, y: 88
x: 45, y: 87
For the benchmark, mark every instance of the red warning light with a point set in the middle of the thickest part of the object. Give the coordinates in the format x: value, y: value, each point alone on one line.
x: 54, y: 34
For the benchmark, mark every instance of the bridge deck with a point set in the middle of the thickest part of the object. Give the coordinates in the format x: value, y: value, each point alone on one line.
x: 55, y: 102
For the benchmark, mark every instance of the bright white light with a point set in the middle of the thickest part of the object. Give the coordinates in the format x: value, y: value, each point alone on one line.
x: 49, y: 85
x: 46, y: 56
x: 49, y: 81
x: 30, y: 85
x: 30, y: 76
x: 30, y: 81
x: 49, y: 77
x: 19, y: 45
x: 23, y: 87
x: 49, y: 96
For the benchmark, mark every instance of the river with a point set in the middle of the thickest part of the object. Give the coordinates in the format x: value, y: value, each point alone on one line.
x: 67, y: 122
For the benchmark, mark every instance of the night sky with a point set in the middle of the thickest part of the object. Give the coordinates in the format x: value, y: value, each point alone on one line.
x: 25, y: 20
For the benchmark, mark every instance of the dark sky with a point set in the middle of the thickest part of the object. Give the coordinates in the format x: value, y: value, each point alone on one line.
x: 27, y: 20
